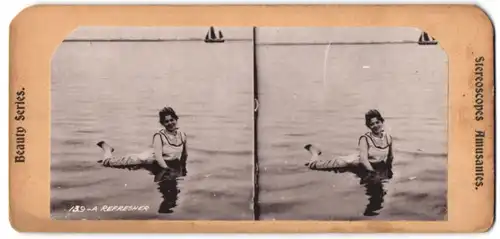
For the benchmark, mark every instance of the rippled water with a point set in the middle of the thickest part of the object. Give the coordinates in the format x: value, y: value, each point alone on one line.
x: 308, y: 94
x: 113, y: 91
x: 304, y: 102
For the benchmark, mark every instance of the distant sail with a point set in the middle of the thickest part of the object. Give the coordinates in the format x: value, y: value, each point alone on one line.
x: 212, y: 33
x: 211, y: 36
x: 426, y: 39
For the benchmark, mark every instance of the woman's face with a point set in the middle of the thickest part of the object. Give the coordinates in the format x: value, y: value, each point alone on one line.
x: 375, y: 125
x: 170, y: 123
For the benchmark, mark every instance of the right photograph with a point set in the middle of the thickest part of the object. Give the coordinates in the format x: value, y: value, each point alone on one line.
x: 352, y: 124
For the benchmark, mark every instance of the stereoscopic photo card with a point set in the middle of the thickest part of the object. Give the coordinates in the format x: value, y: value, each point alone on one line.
x: 252, y: 119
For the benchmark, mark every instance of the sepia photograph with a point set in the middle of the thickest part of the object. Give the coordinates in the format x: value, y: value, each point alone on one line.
x: 249, y: 123
x: 352, y: 124
x: 247, y: 119
x: 152, y: 123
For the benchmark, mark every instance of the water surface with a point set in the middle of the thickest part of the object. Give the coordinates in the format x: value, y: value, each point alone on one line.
x: 319, y: 94
x: 113, y: 92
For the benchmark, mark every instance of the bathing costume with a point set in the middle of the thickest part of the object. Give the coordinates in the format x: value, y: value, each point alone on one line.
x: 377, y: 152
x: 171, y: 151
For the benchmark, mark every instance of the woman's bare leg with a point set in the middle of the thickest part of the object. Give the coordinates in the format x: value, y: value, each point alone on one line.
x: 334, y: 163
x: 315, y: 162
x: 112, y: 161
x: 315, y: 152
x: 108, y: 150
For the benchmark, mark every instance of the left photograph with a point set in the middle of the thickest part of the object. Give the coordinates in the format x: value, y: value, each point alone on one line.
x: 153, y: 123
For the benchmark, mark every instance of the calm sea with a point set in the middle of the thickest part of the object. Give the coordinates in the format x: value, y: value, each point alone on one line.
x: 113, y: 92
x: 308, y: 94
x: 319, y: 95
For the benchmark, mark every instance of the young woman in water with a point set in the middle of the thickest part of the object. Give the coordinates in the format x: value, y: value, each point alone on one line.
x: 169, y: 148
x: 375, y: 151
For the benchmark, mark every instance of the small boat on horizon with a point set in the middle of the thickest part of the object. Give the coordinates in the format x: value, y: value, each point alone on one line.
x: 212, y: 38
x: 425, y: 39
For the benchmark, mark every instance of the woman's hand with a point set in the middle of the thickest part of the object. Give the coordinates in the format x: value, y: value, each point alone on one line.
x: 389, y: 174
x: 159, y: 176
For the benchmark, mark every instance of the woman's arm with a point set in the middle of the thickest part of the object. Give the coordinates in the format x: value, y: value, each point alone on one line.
x: 184, y: 148
x: 363, y: 154
x: 158, y: 151
x: 390, y: 158
x: 184, y: 156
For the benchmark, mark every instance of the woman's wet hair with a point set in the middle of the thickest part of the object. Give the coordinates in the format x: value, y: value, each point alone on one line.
x: 373, y: 114
x: 167, y: 111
